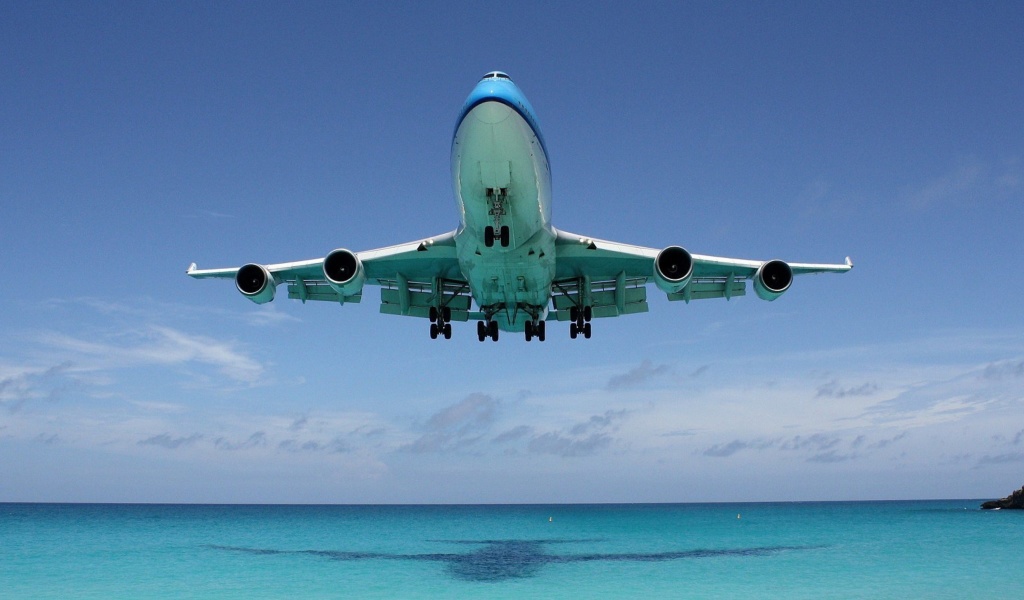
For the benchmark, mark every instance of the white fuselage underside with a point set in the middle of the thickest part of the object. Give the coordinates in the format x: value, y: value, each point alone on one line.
x: 496, y: 149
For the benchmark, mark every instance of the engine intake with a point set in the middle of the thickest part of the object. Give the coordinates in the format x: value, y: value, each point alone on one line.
x: 772, y: 279
x: 672, y: 269
x: 256, y: 283
x: 344, y: 272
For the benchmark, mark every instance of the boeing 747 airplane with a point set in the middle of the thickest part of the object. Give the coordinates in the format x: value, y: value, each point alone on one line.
x: 506, y: 266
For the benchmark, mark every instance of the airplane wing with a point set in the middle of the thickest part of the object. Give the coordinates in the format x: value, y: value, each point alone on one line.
x: 611, y: 277
x: 413, y: 278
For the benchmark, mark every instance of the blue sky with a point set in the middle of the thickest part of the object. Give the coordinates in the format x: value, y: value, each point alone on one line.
x: 136, y: 138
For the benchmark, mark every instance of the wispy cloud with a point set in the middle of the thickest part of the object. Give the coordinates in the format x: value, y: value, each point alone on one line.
x: 637, y: 376
x: 561, y: 445
x: 165, y: 440
x: 730, y: 448
x: 832, y: 389
x: 335, y: 446
x: 1001, y: 459
x: 970, y: 179
x: 516, y: 433
x: 256, y: 440
x: 457, y: 425
x: 816, y: 447
x: 20, y: 385
x: 156, y: 345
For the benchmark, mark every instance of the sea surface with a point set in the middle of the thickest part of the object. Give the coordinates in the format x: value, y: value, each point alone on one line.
x: 927, y: 549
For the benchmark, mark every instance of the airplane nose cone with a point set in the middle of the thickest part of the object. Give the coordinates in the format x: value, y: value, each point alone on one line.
x: 491, y: 112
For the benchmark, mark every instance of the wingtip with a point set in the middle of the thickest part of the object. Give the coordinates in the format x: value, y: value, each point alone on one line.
x: 191, y: 267
x: 849, y: 262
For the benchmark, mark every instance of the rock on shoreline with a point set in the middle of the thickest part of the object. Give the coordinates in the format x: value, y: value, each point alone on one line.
x: 1014, y: 500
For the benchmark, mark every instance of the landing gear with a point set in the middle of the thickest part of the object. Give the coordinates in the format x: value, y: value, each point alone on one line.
x: 535, y: 329
x: 580, y: 321
x: 487, y: 329
x: 576, y: 329
x: 440, y: 325
x: 502, y: 235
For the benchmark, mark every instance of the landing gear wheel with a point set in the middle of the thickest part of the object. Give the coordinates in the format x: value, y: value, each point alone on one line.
x: 492, y: 330
x: 433, y: 331
x: 481, y: 330
x: 446, y: 314
x: 505, y: 236
x: 540, y: 330
x: 447, y: 331
x: 586, y: 331
x: 488, y: 236
x: 588, y: 313
x: 433, y: 314
x: 574, y: 313
x: 529, y: 330
x: 573, y: 330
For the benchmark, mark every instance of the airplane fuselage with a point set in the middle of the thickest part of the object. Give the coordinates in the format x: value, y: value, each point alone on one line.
x: 502, y: 183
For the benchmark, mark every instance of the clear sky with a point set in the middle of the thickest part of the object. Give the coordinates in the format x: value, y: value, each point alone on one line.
x: 136, y: 138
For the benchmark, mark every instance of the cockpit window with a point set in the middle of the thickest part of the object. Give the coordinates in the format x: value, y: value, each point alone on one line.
x: 497, y: 75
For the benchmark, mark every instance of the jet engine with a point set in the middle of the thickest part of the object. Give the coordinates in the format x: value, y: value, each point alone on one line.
x: 256, y: 283
x: 344, y: 271
x: 772, y: 279
x: 672, y: 269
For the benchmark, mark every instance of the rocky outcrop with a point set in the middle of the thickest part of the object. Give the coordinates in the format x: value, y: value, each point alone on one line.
x: 1014, y: 500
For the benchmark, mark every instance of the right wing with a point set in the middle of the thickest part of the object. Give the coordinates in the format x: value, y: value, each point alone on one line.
x: 414, y: 277
x: 611, y: 277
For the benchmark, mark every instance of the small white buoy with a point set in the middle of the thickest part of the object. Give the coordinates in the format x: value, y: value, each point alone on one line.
x: 550, y: 519
x: 737, y: 515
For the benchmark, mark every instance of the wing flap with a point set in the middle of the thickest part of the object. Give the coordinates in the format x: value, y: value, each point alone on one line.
x: 318, y: 291
x: 711, y: 288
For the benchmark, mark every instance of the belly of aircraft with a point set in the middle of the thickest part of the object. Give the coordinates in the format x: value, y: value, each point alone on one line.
x: 501, y: 180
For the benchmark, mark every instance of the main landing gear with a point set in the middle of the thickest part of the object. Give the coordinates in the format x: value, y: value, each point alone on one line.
x: 487, y: 329
x: 440, y: 322
x: 503, y: 236
x: 580, y: 321
x: 535, y: 329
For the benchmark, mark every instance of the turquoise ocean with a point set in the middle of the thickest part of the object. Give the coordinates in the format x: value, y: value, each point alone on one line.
x: 926, y: 549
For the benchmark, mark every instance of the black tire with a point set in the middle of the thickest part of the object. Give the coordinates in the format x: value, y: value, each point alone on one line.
x: 573, y: 331
x: 588, y: 313
x: 481, y: 330
x: 488, y: 236
x: 529, y: 330
x: 574, y: 313
x: 446, y: 314
x: 541, y: 331
x: 492, y: 330
x: 506, y: 236
x: 433, y: 314
x: 433, y: 331
x: 447, y: 331
x: 586, y: 331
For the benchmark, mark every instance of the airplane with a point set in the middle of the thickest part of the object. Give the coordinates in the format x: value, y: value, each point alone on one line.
x: 506, y: 266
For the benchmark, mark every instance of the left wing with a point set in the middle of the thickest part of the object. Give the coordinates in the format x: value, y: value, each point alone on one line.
x: 615, y: 275
x: 414, y: 277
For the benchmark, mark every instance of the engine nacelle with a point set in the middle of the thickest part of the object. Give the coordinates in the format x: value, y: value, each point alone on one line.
x: 772, y: 279
x: 256, y: 283
x: 672, y: 269
x: 344, y: 271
